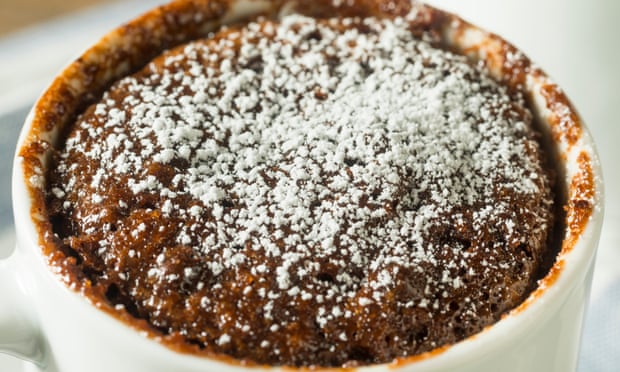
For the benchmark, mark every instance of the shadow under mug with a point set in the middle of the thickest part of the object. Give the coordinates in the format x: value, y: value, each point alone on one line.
x: 58, y: 330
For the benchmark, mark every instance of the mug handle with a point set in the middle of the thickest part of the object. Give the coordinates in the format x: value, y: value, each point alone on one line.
x: 19, y: 334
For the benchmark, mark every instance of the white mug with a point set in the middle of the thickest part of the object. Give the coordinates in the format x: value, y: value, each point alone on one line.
x: 58, y: 330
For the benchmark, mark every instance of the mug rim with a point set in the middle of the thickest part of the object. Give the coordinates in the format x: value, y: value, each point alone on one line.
x: 569, y: 134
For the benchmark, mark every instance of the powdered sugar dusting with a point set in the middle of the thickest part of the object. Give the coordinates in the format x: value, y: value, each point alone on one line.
x: 339, y: 151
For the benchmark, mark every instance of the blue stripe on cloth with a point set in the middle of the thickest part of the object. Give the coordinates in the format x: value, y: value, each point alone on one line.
x: 10, y: 125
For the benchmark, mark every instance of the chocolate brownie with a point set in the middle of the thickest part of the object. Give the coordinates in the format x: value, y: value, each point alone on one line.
x: 305, y: 191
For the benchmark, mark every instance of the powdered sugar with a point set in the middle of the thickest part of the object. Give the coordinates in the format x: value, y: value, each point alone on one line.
x: 335, y: 152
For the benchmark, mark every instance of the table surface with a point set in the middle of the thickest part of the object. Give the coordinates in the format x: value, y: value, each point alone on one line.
x: 16, y: 14
x: 574, y: 40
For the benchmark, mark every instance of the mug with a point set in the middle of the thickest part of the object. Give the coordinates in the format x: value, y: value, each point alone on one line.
x: 44, y: 321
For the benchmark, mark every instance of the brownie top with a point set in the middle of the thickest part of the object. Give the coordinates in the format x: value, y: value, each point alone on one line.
x: 306, y: 192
